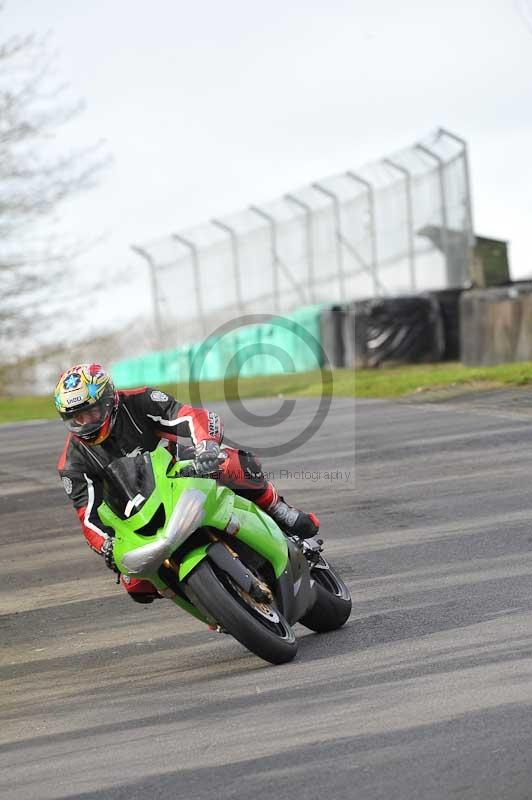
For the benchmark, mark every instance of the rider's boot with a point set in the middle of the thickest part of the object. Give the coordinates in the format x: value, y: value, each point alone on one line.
x: 294, y: 521
x: 289, y: 518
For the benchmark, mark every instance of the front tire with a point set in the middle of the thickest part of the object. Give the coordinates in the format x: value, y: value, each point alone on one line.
x: 333, y: 600
x: 271, y: 639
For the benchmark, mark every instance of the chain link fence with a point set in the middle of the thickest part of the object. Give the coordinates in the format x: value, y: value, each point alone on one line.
x: 400, y: 225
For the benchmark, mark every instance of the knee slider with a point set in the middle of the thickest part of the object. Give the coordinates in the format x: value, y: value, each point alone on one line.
x: 251, y: 466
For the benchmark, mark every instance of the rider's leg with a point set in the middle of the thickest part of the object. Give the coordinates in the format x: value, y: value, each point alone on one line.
x: 141, y: 591
x: 242, y: 472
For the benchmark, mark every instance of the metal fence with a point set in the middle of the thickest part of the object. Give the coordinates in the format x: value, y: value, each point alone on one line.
x: 400, y: 225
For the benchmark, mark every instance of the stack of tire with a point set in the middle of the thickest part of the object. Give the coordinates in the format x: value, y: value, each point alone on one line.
x: 392, y: 330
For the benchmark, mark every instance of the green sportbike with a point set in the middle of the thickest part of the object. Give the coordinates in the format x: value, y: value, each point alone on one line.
x: 219, y: 556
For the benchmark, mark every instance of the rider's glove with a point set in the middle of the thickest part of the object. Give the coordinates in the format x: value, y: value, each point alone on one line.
x: 207, y: 453
x: 107, y: 553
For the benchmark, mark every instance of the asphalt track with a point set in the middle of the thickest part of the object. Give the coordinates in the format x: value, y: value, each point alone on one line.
x: 425, y: 693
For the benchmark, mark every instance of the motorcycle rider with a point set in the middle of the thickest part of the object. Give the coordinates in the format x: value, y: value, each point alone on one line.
x: 105, y: 424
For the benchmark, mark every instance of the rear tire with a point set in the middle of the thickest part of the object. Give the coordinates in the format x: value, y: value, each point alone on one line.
x: 333, y: 600
x: 274, y: 641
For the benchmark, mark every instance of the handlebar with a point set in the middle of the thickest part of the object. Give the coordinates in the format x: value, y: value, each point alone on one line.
x: 190, y: 471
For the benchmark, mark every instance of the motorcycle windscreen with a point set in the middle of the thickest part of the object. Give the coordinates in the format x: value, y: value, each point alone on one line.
x: 128, y: 483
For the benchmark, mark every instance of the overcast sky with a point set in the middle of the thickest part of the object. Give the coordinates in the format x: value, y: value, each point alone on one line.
x: 208, y: 106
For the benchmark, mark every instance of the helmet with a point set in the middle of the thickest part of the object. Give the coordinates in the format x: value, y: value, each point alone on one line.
x: 87, y: 402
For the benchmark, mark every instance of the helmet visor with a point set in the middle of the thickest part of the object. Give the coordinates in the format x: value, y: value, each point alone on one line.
x: 87, y: 421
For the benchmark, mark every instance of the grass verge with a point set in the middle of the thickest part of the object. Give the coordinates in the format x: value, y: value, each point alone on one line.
x: 401, y: 381
x: 341, y: 383
x: 381, y: 383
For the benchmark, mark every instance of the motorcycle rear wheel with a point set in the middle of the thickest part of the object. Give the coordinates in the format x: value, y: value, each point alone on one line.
x: 268, y: 636
x: 333, y: 600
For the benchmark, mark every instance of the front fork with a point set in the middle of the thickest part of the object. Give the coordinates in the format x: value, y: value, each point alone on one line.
x: 228, y: 561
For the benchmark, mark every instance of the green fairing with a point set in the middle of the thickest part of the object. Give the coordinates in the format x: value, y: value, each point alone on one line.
x: 191, y: 560
x: 260, y: 532
x: 179, y: 601
x: 257, y: 529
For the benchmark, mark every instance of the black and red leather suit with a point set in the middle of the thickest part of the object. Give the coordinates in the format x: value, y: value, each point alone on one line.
x: 148, y: 418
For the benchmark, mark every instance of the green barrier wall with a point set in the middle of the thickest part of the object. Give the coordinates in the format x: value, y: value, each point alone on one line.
x: 282, y: 344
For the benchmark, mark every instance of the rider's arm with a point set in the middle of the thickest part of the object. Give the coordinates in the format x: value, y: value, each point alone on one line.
x: 171, y: 418
x: 85, y: 491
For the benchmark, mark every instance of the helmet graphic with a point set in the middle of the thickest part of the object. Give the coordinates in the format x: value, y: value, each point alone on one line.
x: 87, y: 402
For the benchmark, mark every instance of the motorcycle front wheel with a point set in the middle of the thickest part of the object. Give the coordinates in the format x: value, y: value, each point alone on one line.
x: 258, y: 626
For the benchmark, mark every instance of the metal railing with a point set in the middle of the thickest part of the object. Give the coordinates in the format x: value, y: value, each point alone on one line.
x: 400, y: 225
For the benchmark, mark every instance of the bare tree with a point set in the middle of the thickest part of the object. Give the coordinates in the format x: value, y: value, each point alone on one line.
x: 35, y: 178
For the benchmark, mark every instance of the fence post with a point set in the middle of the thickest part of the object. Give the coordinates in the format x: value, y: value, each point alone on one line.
x: 310, y: 247
x: 275, y: 258
x: 372, y: 228
x: 277, y: 261
x: 339, y: 246
x: 157, y: 321
x: 193, y: 248
x: 409, y: 218
x: 236, y: 260
x: 443, y: 200
x: 467, y: 178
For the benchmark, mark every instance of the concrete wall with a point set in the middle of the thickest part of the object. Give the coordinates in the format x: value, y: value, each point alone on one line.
x: 496, y: 325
